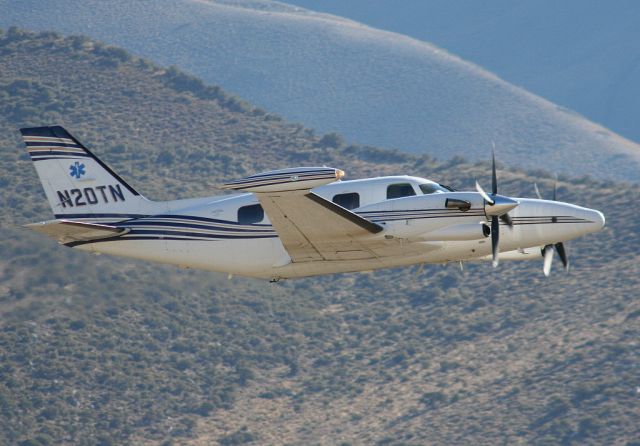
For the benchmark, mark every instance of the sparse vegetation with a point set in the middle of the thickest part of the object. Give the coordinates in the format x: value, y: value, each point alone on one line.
x: 98, y: 350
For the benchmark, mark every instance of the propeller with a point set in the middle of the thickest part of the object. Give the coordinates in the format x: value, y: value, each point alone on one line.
x: 535, y: 187
x: 547, y: 253
x: 547, y: 250
x: 496, y: 207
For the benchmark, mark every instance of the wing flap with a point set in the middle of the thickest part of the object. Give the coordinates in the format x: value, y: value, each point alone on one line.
x: 66, y: 231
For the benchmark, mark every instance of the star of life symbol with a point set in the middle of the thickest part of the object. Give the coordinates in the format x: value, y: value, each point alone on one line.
x: 76, y: 170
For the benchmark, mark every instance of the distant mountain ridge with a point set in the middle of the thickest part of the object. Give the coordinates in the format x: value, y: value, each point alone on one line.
x: 581, y: 54
x: 333, y: 74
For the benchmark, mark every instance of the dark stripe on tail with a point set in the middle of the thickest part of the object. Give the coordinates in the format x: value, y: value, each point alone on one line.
x: 59, y: 132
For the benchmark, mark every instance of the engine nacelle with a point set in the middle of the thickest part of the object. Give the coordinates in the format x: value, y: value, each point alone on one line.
x: 452, y: 233
x: 519, y: 254
x: 298, y: 178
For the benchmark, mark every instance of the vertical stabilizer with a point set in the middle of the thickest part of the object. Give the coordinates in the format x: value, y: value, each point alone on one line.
x: 76, y: 182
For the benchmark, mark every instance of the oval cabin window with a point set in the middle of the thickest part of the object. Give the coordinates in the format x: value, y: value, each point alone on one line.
x: 400, y: 190
x: 347, y: 201
x: 250, y: 214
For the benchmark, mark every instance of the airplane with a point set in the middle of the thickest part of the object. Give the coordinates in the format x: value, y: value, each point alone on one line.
x: 296, y: 222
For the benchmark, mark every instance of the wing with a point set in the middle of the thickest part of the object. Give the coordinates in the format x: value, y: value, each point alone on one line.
x: 66, y: 231
x: 312, y: 228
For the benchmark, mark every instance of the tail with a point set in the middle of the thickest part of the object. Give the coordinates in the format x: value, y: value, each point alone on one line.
x: 77, y: 184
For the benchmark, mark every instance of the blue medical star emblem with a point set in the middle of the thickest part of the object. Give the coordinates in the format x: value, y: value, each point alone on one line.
x: 77, y: 170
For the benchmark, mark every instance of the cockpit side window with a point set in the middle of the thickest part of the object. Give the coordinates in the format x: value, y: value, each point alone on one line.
x: 432, y: 188
x: 400, y: 190
x: 347, y: 201
x: 250, y: 214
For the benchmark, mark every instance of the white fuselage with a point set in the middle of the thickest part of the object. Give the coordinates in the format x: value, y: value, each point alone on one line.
x: 210, y: 234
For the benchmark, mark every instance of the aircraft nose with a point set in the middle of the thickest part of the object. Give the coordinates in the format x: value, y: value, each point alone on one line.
x: 591, y: 220
x: 595, y: 218
x: 598, y: 218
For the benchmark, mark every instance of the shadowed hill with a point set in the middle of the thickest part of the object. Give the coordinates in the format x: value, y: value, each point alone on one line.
x: 373, y: 87
x: 99, y: 350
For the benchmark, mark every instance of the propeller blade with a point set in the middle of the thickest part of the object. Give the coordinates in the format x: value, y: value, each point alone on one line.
x: 538, y: 194
x: 495, y: 238
x: 547, y: 252
x: 494, y: 177
x: 505, y: 218
x: 483, y: 193
x: 562, y: 254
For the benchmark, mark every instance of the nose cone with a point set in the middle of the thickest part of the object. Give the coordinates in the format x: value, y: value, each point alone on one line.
x: 597, y: 218
x: 501, y: 205
x: 590, y: 220
x: 551, y: 222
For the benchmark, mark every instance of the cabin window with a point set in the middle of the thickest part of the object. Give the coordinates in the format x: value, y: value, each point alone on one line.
x: 250, y: 214
x: 347, y: 201
x: 432, y: 188
x: 400, y: 190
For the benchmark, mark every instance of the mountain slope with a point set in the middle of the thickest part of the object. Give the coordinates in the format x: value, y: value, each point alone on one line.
x: 582, y: 55
x: 371, y: 86
x: 99, y: 350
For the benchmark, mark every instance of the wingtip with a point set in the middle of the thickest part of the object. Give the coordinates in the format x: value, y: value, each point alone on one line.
x: 36, y: 224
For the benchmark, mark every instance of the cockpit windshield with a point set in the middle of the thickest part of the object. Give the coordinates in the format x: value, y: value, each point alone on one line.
x: 432, y: 188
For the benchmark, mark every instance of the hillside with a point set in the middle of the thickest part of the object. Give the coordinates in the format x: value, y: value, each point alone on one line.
x: 99, y: 350
x: 332, y: 74
x: 584, y: 58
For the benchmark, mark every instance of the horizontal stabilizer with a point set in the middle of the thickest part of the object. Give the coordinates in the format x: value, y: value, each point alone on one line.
x: 66, y: 231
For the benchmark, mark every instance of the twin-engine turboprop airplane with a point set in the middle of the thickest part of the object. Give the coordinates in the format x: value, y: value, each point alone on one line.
x: 295, y: 222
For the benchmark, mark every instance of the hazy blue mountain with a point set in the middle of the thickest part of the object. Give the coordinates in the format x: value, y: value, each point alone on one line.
x: 582, y: 54
x: 332, y: 74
